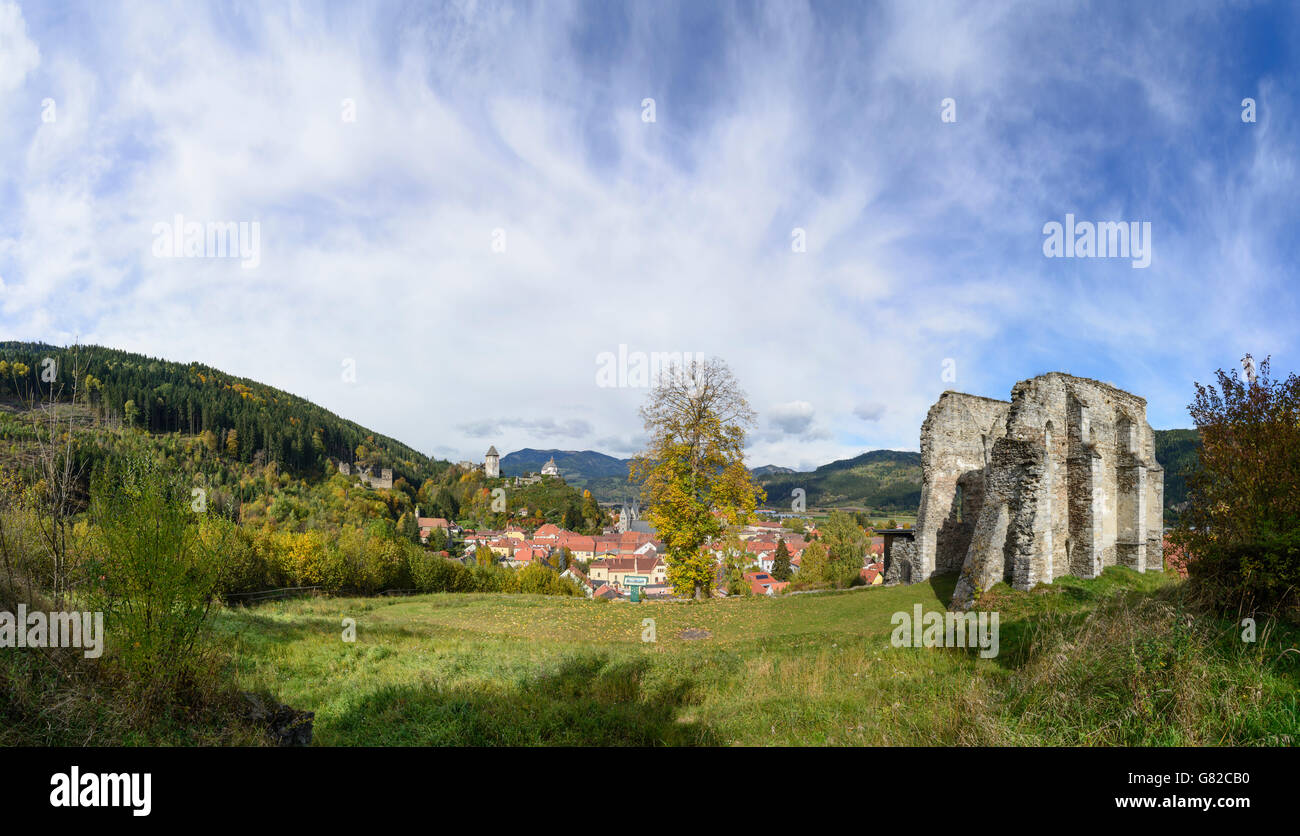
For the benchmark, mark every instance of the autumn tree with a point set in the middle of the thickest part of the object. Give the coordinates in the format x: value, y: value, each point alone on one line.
x: 696, y: 418
x: 1241, y: 527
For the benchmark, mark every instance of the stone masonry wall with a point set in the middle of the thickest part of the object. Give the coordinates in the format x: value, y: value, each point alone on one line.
x: 1060, y: 480
x: 956, y: 445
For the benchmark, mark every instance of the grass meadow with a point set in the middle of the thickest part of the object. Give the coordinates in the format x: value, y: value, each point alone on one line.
x: 1117, y: 660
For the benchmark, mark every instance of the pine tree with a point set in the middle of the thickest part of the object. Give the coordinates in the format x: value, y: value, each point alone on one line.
x: 781, y: 562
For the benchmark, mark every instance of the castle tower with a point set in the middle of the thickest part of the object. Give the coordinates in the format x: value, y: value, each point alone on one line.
x: 492, y: 463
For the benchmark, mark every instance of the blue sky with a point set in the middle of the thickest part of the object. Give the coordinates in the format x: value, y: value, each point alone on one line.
x: 924, y: 237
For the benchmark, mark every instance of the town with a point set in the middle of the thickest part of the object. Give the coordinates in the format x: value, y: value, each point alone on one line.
x: 627, y: 561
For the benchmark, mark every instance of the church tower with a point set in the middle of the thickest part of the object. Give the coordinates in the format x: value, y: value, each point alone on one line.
x: 492, y: 463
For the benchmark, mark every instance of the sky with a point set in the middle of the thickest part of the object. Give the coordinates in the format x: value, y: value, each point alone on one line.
x: 465, y: 211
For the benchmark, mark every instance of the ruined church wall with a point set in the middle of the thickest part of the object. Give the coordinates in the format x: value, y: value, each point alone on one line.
x: 1071, y: 485
x: 1104, y: 490
x: 956, y: 445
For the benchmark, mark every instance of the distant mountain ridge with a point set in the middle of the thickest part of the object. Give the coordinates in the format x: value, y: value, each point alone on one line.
x: 882, y: 479
x: 888, y: 480
x: 605, y: 476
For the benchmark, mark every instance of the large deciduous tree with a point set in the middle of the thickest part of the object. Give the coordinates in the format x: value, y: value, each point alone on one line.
x: 696, y: 417
x: 1241, y: 528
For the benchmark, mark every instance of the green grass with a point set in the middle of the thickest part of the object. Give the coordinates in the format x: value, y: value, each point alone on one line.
x: 1081, y: 662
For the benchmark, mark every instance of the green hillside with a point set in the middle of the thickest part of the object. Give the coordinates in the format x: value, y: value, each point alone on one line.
x: 888, y: 480
x: 1177, y: 452
x: 251, y: 420
x: 265, y: 458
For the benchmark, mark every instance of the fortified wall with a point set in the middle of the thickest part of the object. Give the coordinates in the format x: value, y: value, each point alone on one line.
x: 1061, y: 480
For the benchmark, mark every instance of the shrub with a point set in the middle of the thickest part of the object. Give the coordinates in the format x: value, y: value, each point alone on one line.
x: 241, y: 567
x: 152, y: 575
x: 1242, y: 521
x: 435, y: 573
x: 1262, y: 573
x: 536, y: 579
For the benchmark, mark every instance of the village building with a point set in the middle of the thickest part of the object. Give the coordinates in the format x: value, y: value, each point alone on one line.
x: 624, y: 572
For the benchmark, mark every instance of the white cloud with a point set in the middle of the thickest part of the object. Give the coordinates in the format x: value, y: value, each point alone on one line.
x: 671, y: 236
x: 18, y: 54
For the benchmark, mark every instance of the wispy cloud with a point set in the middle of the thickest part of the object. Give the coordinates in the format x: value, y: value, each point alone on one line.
x: 500, y: 213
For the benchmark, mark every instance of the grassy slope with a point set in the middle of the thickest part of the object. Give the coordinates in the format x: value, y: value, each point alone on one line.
x: 806, y: 669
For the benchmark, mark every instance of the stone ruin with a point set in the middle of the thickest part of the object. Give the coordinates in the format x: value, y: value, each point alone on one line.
x: 383, y: 481
x: 1062, y: 480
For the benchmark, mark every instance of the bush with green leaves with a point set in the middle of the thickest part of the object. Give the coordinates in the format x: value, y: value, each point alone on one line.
x: 435, y: 573
x: 150, y: 573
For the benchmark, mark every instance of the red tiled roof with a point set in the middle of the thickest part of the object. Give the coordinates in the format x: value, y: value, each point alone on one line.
x: 635, y: 563
x: 577, y: 542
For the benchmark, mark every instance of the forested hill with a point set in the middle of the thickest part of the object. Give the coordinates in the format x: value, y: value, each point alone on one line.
x: 244, y: 419
x: 881, y: 479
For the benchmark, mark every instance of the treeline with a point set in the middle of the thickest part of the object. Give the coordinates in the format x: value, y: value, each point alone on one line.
x: 241, y: 418
x: 356, y: 562
x: 263, y: 456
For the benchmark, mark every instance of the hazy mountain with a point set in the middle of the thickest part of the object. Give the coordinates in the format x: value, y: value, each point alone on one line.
x: 887, y: 480
x: 605, y: 476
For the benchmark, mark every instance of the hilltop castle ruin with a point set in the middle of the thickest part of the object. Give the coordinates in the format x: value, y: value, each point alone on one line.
x: 383, y: 481
x: 1061, y: 480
